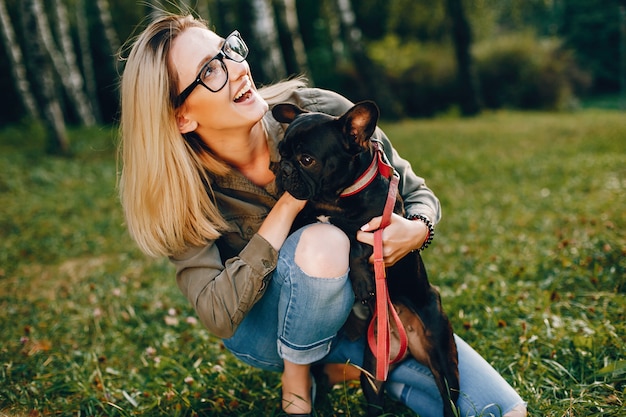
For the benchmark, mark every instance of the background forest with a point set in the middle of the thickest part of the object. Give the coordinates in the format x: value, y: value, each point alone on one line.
x: 63, y: 58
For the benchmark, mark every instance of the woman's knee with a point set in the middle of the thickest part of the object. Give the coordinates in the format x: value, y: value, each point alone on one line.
x: 323, y: 251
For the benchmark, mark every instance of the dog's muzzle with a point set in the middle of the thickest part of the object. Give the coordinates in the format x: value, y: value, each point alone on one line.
x: 296, y: 182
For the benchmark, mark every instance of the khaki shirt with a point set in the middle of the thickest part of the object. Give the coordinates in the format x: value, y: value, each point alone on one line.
x: 224, y: 278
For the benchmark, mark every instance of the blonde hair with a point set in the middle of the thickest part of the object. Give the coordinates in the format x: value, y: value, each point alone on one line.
x: 164, y: 184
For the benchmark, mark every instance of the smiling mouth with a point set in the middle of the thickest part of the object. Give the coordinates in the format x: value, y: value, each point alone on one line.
x: 244, y: 93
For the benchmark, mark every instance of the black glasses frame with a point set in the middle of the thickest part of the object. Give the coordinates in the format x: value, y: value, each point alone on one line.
x: 221, y: 55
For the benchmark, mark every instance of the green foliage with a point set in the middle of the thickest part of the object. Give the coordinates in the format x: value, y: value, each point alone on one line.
x: 530, y: 258
x: 521, y: 71
x: 517, y: 71
x: 422, y: 76
x: 592, y: 29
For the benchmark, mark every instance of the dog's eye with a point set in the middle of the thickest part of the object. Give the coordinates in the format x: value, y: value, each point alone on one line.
x: 306, y: 160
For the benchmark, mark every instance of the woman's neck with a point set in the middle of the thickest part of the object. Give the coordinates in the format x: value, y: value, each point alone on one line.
x: 247, y: 152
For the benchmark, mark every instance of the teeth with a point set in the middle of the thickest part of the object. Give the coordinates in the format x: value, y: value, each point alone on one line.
x: 243, y: 90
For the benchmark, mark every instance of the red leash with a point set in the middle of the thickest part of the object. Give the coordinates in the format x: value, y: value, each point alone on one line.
x: 378, y: 334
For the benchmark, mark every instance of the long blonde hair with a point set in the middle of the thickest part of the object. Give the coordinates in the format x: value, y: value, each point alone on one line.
x: 164, y: 181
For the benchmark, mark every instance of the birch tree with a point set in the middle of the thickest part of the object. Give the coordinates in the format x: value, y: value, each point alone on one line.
x: 69, y: 75
x: 40, y: 64
x: 16, y: 60
x: 67, y: 49
x: 104, y: 14
x: 264, y: 27
x: 87, y: 59
x: 289, y: 15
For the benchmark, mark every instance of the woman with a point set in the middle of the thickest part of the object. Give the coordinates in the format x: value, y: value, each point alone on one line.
x: 196, y: 186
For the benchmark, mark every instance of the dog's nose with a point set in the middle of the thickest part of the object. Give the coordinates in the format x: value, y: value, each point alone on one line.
x: 287, y: 169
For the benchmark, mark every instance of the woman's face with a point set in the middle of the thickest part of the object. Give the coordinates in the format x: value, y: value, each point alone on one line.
x: 236, y: 106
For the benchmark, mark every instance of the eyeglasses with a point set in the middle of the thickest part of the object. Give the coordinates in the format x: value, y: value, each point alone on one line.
x: 214, y: 75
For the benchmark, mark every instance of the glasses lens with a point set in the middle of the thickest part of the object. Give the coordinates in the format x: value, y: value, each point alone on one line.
x: 214, y: 74
x: 235, y: 48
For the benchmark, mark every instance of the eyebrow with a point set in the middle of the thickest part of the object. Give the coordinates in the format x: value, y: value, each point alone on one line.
x: 207, y: 58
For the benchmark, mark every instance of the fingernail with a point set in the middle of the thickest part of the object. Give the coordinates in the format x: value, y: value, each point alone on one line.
x: 365, y: 227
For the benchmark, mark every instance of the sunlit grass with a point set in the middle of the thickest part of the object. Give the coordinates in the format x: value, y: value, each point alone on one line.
x: 530, y: 258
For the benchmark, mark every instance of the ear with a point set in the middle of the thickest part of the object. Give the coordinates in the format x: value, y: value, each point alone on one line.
x: 286, y: 112
x: 185, y: 125
x: 360, y: 121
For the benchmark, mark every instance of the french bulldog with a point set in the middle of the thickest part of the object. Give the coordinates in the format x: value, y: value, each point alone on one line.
x: 323, y: 156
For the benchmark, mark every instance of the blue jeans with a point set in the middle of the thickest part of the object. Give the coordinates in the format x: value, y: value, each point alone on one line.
x: 299, y: 318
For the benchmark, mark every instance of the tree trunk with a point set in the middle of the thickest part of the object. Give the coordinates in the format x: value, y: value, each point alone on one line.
x: 289, y: 15
x: 67, y: 49
x: 264, y: 27
x: 371, y: 78
x: 338, y: 45
x: 69, y: 75
x: 104, y: 13
x: 39, y: 62
x: 462, y: 38
x: 87, y: 60
x: 226, y: 16
x: 17, y: 63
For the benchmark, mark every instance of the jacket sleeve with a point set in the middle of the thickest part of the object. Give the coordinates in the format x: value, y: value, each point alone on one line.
x: 418, y: 198
x: 222, y: 294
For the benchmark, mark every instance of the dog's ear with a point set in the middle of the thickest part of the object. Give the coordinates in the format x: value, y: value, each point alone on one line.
x: 360, y: 121
x: 286, y: 112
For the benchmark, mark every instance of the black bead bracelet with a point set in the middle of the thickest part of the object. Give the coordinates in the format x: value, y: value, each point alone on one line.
x: 431, y: 229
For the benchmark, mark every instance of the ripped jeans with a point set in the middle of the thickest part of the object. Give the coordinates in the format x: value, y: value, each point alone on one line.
x: 299, y: 319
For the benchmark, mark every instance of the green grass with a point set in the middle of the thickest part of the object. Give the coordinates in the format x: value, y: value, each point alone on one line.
x: 530, y: 258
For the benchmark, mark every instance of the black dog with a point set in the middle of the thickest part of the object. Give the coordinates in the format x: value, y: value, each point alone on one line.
x: 321, y: 157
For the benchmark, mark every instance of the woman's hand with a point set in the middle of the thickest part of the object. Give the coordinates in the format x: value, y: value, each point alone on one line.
x: 399, y: 238
x: 277, y: 224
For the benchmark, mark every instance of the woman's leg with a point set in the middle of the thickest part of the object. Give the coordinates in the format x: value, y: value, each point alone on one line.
x: 483, y: 390
x: 305, y: 305
x: 322, y: 252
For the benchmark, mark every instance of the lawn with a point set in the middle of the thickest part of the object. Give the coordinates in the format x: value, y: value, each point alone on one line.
x: 530, y: 258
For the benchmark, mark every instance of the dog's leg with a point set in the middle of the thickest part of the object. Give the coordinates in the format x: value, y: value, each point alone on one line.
x: 434, y: 347
x: 444, y: 358
x: 373, y: 389
x: 361, y: 271
x: 431, y: 340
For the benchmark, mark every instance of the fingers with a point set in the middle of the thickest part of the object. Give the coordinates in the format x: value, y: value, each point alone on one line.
x: 365, y: 237
x: 395, y: 240
x: 366, y: 234
x: 372, y: 225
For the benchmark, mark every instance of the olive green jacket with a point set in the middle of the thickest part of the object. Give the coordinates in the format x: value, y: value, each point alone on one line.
x: 224, y: 278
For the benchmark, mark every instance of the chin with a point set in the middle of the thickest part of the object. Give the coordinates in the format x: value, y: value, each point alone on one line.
x: 258, y: 105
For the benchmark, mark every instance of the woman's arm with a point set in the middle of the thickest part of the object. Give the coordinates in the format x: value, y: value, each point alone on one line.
x: 277, y: 224
x: 222, y: 294
x: 403, y: 235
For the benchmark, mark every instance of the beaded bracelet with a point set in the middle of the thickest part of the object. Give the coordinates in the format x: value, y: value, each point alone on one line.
x: 431, y: 229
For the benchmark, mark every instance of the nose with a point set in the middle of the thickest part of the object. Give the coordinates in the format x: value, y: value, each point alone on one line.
x: 236, y: 70
x: 287, y: 169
